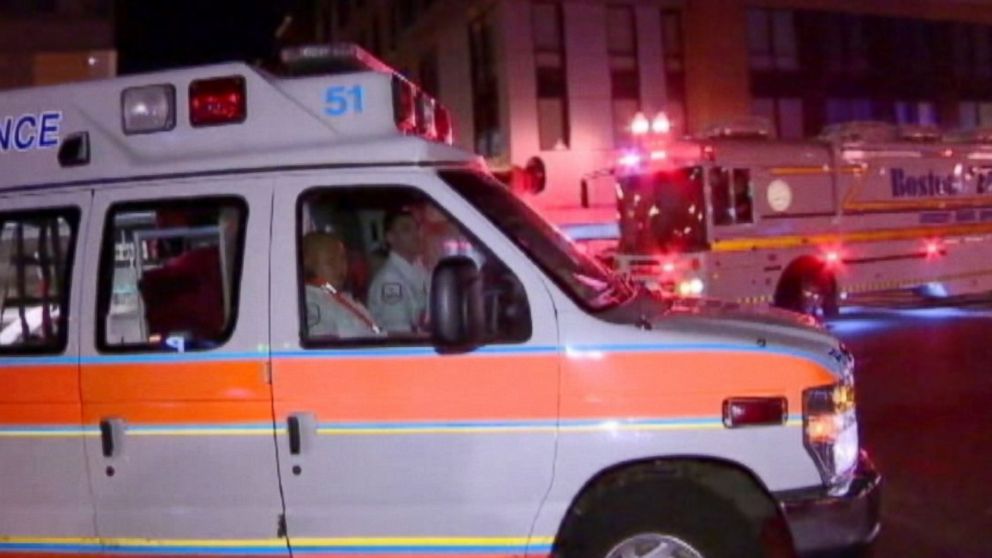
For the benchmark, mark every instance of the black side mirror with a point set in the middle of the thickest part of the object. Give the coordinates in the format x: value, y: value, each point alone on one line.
x: 457, y: 311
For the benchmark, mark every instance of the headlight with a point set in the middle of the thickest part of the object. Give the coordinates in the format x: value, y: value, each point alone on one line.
x: 830, y: 431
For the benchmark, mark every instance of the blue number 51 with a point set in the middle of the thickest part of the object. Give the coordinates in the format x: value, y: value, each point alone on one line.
x: 341, y: 99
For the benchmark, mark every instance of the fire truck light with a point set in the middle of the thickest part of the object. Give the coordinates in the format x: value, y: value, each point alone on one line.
x: 933, y: 249
x: 630, y: 159
x: 832, y: 258
x: 658, y: 155
x: 640, y: 125
x: 668, y: 267
x: 661, y: 124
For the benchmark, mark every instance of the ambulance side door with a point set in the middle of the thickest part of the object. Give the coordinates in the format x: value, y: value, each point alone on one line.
x: 45, y: 499
x: 388, y: 444
x: 175, y: 377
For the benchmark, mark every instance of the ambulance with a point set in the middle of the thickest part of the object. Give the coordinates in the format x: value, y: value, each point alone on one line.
x: 805, y: 225
x: 165, y: 241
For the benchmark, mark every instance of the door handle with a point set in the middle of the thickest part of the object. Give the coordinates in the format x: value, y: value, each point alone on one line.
x: 295, y: 443
x: 111, y: 436
x: 299, y: 426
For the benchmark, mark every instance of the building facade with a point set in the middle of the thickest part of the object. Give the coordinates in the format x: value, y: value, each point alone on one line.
x: 44, y: 42
x: 561, y: 79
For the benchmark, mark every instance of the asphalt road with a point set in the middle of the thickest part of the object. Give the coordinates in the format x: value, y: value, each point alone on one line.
x: 924, y: 386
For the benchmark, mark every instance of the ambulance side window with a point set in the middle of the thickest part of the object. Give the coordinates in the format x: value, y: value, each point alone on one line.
x: 730, y: 193
x: 169, y: 274
x: 36, y: 253
x: 366, y: 256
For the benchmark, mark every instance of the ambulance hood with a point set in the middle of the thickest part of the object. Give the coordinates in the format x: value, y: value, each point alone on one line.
x: 717, y: 321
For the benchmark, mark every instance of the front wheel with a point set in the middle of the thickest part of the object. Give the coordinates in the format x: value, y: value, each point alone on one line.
x: 657, y: 519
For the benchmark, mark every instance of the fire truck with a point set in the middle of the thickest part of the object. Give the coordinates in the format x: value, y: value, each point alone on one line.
x: 804, y: 225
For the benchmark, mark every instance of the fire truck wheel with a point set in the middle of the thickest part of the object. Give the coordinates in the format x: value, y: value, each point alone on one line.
x: 808, y: 289
x: 656, y: 518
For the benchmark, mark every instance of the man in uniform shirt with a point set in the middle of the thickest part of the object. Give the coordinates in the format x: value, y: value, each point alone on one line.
x: 331, y: 312
x: 398, y: 293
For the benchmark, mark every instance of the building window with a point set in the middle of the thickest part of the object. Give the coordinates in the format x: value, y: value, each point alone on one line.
x: 489, y: 140
x: 975, y: 114
x: 35, y: 268
x: 785, y: 114
x: 429, y: 80
x: 552, y: 89
x: 160, y: 259
x: 848, y: 110
x: 845, y: 47
x: 625, y: 83
x: 972, y: 51
x: 343, y: 13
x: 772, y: 40
x: 915, y: 112
x: 673, y: 50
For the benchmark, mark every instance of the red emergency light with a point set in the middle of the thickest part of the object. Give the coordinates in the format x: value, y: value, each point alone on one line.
x: 404, y: 105
x: 442, y: 125
x: 217, y: 101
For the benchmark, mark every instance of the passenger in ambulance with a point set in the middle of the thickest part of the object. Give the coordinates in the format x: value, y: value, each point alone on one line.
x: 330, y: 311
x: 398, y: 293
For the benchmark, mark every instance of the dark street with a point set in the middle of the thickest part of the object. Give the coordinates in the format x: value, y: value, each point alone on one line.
x: 925, y: 403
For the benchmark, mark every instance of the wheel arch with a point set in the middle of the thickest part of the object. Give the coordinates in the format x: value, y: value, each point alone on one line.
x: 798, y: 268
x: 725, y: 478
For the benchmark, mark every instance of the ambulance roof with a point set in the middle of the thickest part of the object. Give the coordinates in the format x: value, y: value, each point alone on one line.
x: 342, y: 119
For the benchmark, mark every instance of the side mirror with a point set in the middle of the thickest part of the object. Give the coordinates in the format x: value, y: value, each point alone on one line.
x: 457, y: 314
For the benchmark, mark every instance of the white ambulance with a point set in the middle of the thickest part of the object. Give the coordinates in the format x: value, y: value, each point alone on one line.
x: 258, y: 315
x: 805, y: 224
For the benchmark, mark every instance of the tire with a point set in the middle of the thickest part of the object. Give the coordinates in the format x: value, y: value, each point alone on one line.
x: 679, y: 512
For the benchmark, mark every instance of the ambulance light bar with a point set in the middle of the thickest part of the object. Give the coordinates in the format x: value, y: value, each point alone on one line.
x: 149, y: 108
x: 217, y: 101
x: 337, y: 58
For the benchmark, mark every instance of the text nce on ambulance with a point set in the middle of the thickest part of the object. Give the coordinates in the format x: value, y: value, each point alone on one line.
x: 206, y: 350
x: 805, y: 224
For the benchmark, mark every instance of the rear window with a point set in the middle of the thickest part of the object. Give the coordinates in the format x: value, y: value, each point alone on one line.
x: 36, y: 251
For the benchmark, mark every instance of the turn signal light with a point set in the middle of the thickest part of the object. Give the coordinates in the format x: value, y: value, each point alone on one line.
x: 217, y: 101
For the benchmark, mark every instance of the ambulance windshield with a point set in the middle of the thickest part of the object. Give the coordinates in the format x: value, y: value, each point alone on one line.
x: 580, y: 275
x: 662, y: 212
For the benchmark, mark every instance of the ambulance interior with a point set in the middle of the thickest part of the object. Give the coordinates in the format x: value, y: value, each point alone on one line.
x: 170, y: 274
x: 33, y: 255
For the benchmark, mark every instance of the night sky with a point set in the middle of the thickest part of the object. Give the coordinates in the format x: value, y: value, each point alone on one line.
x: 158, y: 34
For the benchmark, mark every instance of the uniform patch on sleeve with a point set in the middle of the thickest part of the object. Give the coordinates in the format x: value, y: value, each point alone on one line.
x: 392, y: 293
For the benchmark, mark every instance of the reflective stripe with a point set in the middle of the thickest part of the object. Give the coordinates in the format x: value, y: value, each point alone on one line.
x: 797, y: 241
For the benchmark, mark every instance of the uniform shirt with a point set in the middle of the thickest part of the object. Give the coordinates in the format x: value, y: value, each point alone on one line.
x: 337, y: 314
x: 398, y: 295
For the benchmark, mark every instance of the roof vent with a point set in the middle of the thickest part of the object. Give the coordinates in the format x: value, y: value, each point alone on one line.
x: 748, y: 127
